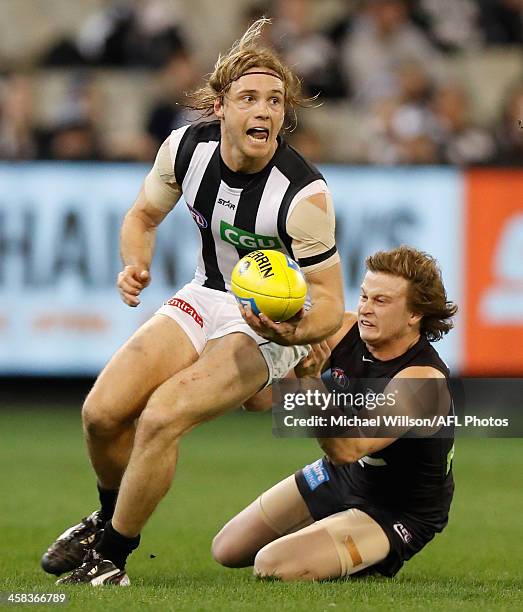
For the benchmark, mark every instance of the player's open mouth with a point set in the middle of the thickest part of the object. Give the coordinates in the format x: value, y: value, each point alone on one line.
x: 258, y: 134
x: 366, y: 323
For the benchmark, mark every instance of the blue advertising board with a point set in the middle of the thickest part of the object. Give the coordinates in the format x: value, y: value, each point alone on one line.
x: 60, y: 312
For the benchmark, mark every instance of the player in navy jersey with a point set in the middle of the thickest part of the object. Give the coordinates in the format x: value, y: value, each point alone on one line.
x: 369, y: 503
x: 202, y: 355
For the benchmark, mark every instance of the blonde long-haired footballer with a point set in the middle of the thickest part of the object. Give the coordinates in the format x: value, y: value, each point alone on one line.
x: 201, y: 355
x: 244, y: 56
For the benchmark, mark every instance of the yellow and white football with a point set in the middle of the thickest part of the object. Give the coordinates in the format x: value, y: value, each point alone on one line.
x: 270, y: 282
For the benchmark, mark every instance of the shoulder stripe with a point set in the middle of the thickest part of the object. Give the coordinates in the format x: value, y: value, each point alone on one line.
x: 175, y: 138
x: 275, y: 188
x: 196, y: 134
x: 291, y: 192
x: 183, y: 156
x: 311, y: 188
x: 299, y: 173
x: 201, y: 157
x: 316, y: 259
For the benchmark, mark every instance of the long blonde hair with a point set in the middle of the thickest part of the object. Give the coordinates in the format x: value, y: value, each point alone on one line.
x: 245, y: 54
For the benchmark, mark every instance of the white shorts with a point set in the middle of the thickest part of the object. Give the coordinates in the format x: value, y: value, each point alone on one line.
x: 205, y: 314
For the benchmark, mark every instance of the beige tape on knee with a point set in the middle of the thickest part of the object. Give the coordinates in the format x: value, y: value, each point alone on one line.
x: 282, y: 507
x: 359, y: 540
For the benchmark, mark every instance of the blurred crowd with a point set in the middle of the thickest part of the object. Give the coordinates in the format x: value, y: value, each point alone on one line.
x: 382, y: 59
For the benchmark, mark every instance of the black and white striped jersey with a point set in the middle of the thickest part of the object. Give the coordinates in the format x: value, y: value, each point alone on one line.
x: 237, y: 213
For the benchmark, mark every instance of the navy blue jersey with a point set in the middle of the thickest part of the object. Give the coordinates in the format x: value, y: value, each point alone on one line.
x: 413, y: 474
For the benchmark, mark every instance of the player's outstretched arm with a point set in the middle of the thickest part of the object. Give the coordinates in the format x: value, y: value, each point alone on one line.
x: 311, y: 224
x: 136, y: 248
x: 421, y: 392
x: 326, y: 314
x: 157, y: 197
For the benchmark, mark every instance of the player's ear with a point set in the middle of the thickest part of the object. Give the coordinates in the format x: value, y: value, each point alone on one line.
x: 415, y: 318
x: 218, y: 107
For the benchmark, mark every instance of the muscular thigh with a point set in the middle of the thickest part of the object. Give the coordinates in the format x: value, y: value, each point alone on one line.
x: 156, y: 352
x: 229, y: 371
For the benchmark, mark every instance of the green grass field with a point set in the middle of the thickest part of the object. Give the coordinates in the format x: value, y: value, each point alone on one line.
x: 46, y: 485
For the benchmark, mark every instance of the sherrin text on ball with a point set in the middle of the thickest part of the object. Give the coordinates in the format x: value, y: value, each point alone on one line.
x: 269, y: 282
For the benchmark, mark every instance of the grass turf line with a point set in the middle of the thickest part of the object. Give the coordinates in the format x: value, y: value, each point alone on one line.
x: 47, y: 485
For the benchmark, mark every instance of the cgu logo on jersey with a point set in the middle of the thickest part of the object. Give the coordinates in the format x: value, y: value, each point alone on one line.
x: 198, y: 217
x: 245, y: 240
x: 226, y: 203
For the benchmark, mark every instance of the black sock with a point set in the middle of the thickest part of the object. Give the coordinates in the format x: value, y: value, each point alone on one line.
x: 107, y: 502
x: 116, y: 547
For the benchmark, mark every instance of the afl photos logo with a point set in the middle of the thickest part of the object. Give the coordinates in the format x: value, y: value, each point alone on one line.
x: 198, y: 217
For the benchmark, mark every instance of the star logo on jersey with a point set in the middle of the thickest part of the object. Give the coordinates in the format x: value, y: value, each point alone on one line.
x: 248, y: 241
x: 227, y: 203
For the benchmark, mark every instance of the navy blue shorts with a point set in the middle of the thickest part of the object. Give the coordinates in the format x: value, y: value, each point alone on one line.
x: 325, y: 491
